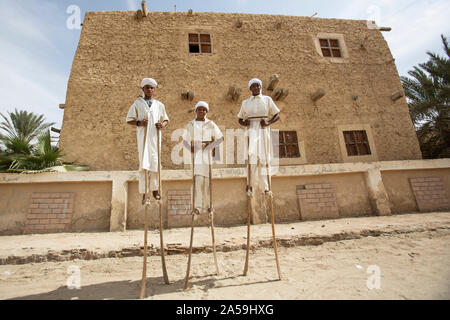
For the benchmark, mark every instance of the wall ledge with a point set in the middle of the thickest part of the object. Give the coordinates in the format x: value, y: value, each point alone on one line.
x: 227, y: 173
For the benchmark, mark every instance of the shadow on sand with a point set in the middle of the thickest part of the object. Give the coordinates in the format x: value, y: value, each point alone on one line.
x: 127, y: 289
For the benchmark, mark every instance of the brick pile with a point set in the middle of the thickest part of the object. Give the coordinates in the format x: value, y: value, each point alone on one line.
x: 49, y: 212
x: 178, y: 207
x: 317, y: 200
x: 429, y: 193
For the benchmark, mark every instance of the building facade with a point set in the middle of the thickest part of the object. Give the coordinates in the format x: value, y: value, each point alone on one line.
x: 347, y: 146
x: 335, y: 82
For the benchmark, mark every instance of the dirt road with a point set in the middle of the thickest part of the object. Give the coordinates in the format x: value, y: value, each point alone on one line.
x: 411, y: 265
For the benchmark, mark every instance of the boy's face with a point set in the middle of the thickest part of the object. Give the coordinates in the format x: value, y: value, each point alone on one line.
x: 201, y: 113
x: 255, y: 88
x: 148, y: 90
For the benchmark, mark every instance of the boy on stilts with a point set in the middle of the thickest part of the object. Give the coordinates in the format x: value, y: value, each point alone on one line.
x: 257, y: 113
x: 146, y: 113
x: 147, y: 110
x: 201, y: 137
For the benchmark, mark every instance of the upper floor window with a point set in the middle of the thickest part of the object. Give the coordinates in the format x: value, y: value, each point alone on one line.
x: 356, y: 143
x: 200, y: 43
x: 288, y: 144
x: 330, y: 48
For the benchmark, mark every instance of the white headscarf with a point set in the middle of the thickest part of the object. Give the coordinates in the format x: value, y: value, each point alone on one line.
x: 147, y: 81
x: 255, y: 80
x: 202, y: 104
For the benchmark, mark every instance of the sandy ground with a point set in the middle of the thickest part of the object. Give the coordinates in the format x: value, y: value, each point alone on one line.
x: 412, y: 264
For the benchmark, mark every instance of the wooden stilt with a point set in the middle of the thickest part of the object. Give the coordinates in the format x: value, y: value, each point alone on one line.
x: 271, y: 206
x: 249, y: 211
x: 163, y: 259
x: 211, y: 212
x: 186, y: 281
x: 144, y: 267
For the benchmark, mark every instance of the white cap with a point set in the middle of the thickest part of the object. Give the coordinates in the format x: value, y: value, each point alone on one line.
x: 202, y: 104
x: 149, y: 81
x: 254, y: 80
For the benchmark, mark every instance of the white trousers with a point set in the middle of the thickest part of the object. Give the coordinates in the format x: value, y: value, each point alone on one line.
x: 201, y: 200
x: 258, y: 177
x: 152, y: 183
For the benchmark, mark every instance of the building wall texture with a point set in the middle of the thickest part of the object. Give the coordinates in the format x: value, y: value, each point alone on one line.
x: 109, y: 200
x: 116, y: 51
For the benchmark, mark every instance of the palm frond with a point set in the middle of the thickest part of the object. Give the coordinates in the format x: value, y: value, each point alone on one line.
x: 427, y: 90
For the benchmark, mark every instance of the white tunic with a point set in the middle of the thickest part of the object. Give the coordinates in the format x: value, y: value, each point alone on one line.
x: 258, y: 106
x: 147, y: 137
x: 201, y: 131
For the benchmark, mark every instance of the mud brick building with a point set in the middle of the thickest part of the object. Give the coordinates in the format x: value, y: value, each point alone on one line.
x: 347, y: 144
x: 357, y: 118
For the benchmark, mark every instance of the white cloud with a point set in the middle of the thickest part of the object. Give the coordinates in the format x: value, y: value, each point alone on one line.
x: 416, y: 30
x: 30, y: 79
x: 26, y: 27
x: 21, y: 92
x: 416, y: 26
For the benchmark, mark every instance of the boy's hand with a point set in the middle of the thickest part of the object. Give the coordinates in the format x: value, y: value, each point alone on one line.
x: 159, y: 125
x: 244, y: 123
x: 143, y: 123
x: 208, y: 147
x: 264, y: 123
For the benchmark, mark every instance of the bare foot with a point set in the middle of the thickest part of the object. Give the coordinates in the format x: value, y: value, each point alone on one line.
x: 156, y: 195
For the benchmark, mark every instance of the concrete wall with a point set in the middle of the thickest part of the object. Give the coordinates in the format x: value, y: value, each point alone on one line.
x: 116, y: 51
x: 110, y: 200
x: 399, y: 188
x: 350, y: 190
x: 230, y: 204
x: 91, y: 212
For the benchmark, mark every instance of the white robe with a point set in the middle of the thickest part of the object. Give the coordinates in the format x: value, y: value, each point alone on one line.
x: 147, y: 137
x: 259, y: 138
x: 201, y: 131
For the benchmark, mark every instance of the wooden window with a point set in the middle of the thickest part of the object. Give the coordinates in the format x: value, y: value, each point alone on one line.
x: 288, y: 144
x: 200, y: 43
x: 330, y: 48
x: 357, y: 143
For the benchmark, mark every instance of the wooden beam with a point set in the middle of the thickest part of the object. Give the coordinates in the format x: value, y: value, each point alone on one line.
x: 284, y: 94
x: 139, y: 14
x: 273, y: 81
x: 144, y: 8
x: 277, y: 93
x: 318, y: 94
x: 397, y: 95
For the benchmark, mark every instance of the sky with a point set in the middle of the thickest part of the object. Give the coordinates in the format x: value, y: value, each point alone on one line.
x: 38, y: 38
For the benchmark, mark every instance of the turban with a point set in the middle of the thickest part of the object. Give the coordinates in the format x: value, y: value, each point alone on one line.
x: 148, y: 81
x: 202, y: 104
x: 254, y: 80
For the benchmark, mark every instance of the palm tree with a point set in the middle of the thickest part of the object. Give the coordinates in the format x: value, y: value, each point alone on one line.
x: 428, y: 94
x: 18, y: 152
x: 22, y: 125
x: 40, y: 156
